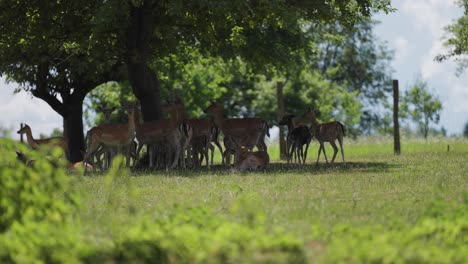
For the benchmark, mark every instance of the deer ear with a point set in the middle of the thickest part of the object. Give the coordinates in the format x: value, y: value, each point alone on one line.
x: 99, y: 108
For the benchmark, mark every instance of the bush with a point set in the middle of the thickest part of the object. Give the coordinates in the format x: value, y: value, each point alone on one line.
x: 434, y: 239
x: 34, y: 207
x: 36, y: 193
x: 196, y: 235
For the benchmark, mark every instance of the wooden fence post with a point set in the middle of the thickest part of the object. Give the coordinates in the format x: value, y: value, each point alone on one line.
x: 280, y: 114
x: 396, y: 125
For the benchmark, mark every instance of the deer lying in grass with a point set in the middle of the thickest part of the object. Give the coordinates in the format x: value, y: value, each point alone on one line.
x: 70, y: 166
x: 251, y: 161
x: 328, y: 132
x: 112, y: 135
x: 298, y: 136
x: 60, y: 142
x: 248, y: 131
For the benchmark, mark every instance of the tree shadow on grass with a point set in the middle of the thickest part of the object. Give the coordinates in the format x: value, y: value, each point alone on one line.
x: 275, y: 167
x: 369, y: 167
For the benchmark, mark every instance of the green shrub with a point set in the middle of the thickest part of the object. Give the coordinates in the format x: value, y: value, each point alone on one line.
x: 35, y: 207
x: 36, y: 193
x: 435, y: 238
x: 196, y: 235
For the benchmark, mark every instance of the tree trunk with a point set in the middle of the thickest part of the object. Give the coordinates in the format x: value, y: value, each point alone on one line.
x: 145, y: 83
x: 73, y: 130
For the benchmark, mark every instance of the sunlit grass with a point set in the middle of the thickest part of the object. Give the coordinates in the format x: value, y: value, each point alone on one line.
x: 373, y: 187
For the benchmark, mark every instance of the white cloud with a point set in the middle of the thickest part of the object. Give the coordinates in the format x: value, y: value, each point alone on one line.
x: 23, y: 108
x: 429, y: 14
x: 401, y: 49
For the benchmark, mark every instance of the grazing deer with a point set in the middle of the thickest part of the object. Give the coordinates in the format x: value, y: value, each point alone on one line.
x: 60, y: 142
x: 251, y: 161
x: 112, y: 135
x: 248, y: 131
x: 298, y: 137
x: 328, y: 132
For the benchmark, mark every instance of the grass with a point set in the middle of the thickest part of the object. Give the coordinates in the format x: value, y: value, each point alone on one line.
x: 374, y: 188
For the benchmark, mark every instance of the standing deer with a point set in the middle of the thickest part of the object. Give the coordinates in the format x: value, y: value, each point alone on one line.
x: 108, y: 153
x: 248, y: 131
x: 298, y: 137
x: 112, y: 135
x: 60, y: 142
x: 328, y: 132
x: 204, y: 131
x: 165, y: 134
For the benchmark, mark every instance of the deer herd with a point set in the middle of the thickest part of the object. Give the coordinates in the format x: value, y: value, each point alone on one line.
x: 176, y: 141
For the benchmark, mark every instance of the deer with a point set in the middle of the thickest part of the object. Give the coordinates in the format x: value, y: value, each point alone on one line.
x: 328, y: 132
x: 112, y: 135
x: 107, y: 151
x: 60, y: 142
x: 204, y: 130
x: 248, y: 131
x: 298, y: 136
x: 251, y: 161
x: 161, y: 132
x: 201, y: 145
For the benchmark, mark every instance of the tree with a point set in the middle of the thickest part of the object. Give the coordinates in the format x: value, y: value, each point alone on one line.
x: 61, y: 50
x: 54, y: 50
x: 253, y: 30
x: 457, y: 40
x: 421, y: 106
x: 465, y: 131
x: 355, y: 58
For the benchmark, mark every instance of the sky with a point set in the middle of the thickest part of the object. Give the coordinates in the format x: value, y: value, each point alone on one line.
x: 414, y: 32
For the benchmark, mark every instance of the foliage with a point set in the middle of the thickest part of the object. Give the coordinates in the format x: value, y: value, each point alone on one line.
x: 356, y: 59
x: 457, y: 40
x: 31, y: 193
x: 465, y: 130
x: 196, y: 235
x: 35, y: 205
x: 421, y: 106
x: 108, y: 95
x: 437, y: 238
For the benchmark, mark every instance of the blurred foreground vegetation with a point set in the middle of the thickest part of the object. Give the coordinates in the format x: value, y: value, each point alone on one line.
x: 375, y: 208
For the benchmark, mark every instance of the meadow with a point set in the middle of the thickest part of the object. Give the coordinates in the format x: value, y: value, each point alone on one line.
x: 376, y: 207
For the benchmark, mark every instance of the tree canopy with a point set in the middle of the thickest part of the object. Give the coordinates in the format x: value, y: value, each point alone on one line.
x: 420, y: 105
x: 457, y: 40
x: 60, y: 51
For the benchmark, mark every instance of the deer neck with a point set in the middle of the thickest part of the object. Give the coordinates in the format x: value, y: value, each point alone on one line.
x: 314, y: 123
x: 131, y: 123
x: 31, y: 141
x: 218, y: 119
x: 136, y: 118
x: 290, y: 125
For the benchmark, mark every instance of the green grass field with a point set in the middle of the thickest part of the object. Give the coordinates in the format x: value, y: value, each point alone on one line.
x: 378, y: 207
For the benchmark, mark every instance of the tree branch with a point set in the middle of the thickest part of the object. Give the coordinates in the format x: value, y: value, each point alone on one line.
x: 41, y: 89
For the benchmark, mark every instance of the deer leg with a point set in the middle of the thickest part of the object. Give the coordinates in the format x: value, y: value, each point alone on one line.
x: 220, y: 150
x: 324, y: 153
x: 340, y: 141
x: 335, y: 150
x: 305, y: 153
x: 205, y: 153
x: 320, y: 149
x: 212, y: 152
